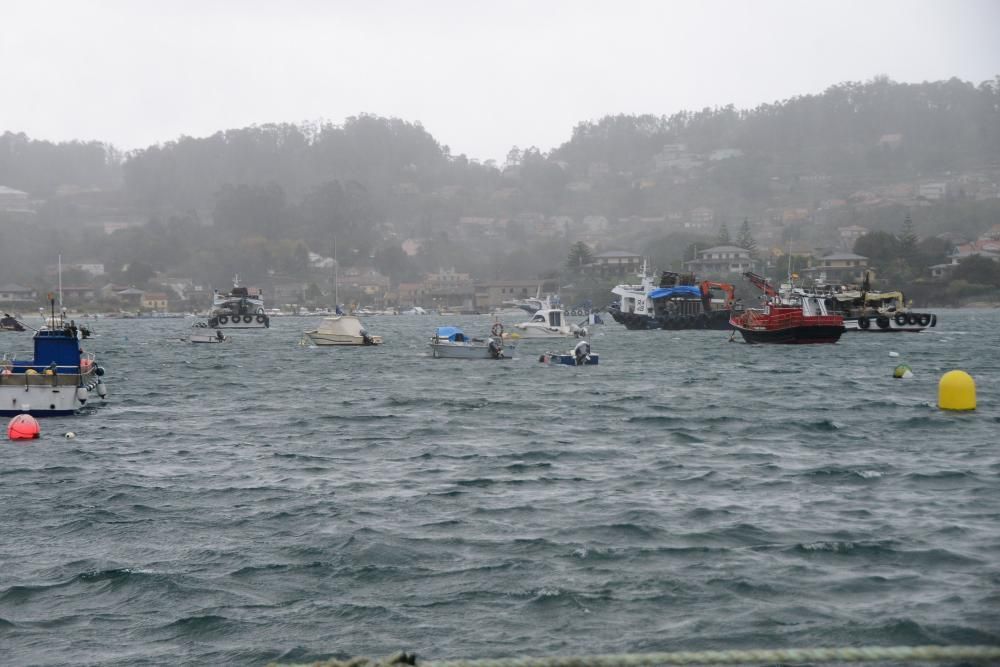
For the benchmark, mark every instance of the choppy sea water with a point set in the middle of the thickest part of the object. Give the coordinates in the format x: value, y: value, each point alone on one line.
x: 260, y: 500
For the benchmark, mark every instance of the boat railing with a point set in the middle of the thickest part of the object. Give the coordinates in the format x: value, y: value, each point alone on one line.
x: 11, y: 365
x: 27, y: 374
x: 758, y: 319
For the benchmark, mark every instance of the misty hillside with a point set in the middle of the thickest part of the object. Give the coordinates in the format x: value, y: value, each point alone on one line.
x: 247, y: 199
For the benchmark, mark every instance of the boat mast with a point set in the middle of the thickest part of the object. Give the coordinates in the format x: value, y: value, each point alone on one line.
x: 60, y: 284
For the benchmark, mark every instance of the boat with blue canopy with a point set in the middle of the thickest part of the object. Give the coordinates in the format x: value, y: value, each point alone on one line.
x: 677, y: 302
x: 58, y: 379
x: 452, y: 343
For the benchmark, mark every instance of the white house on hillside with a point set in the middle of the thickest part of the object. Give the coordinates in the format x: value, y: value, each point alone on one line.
x: 722, y: 260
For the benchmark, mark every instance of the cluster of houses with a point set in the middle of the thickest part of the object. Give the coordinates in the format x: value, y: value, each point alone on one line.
x: 448, y: 289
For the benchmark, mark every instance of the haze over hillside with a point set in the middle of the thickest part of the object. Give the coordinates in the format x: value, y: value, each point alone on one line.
x: 394, y: 201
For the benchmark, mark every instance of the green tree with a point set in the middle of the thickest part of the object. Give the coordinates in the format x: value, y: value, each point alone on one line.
x: 723, y: 238
x: 137, y: 273
x: 313, y: 293
x: 881, y: 248
x: 579, y: 256
x: 978, y: 270
x: 745, y: 239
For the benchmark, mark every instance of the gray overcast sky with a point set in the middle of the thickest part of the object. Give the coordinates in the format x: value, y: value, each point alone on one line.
x: 480, y: 76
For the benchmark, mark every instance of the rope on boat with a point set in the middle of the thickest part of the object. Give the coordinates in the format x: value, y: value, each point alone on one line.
x: 734, y: 657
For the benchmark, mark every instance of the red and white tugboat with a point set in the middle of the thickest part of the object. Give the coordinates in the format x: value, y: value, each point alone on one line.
x: 799, y: 321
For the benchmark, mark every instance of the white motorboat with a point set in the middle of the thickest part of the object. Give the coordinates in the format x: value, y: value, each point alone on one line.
x: 342, y: 330
x: 452, y: 343
x: 240, y: 308
x: 202, y: 333
x: 549, y: 323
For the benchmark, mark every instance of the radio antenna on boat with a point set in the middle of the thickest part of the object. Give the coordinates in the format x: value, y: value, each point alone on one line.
x: 60, y: 283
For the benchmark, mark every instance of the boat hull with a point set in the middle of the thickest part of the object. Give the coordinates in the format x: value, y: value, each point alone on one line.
x: 569, y: 359
x: 205, y: 339
x: 239, y: 322
x: 798, y: 335
x: 43, y: 396
x: 901, y: 322
x: 716, y: 320
x: 329, y: 340
x: 634, y: 321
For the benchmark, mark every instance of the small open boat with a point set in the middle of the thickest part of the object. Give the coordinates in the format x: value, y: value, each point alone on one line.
x: 202, y: 333
x: 578, y: 356
x: 452, y: 343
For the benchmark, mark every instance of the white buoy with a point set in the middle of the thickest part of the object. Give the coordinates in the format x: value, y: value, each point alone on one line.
x: 894, y: 354
x: 70, y: 435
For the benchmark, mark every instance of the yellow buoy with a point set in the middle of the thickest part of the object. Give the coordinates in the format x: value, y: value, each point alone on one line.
x: 957, y: 391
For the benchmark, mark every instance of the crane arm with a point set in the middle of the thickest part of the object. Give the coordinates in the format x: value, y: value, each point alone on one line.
x: 760, y: 282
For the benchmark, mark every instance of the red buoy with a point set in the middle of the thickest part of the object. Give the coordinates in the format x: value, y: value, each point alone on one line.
x: 23, y: 427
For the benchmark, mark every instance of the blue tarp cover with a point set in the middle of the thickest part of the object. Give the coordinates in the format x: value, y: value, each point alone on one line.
x: 449, y: 332
x: 682, y: 290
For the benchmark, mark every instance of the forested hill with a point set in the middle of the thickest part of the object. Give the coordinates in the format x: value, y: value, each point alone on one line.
x: 877, y: 130
x: 375, y: 152
x: 880, y: 128
x: 40, y: 167
x: 856, y: 154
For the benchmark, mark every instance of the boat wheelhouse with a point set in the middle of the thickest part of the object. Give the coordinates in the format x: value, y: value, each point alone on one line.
x: 550, y: 323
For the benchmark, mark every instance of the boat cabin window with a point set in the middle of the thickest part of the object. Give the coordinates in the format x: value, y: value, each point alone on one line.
x: 555, y: 319
x: 538, y: 318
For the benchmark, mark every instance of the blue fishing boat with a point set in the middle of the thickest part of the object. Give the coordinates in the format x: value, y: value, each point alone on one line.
x: 58, y: 380
x: 579, y: 356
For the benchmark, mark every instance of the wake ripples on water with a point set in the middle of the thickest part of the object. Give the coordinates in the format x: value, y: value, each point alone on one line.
x: 258, y: 500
